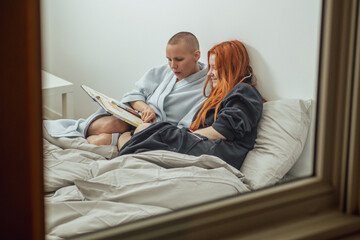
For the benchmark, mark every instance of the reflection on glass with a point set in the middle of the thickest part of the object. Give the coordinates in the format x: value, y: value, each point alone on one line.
x: 109, y: 46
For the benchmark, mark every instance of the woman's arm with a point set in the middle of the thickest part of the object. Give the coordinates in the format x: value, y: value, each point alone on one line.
x: 147, y: 113
x: 210, y: 133
x: 239, y: 113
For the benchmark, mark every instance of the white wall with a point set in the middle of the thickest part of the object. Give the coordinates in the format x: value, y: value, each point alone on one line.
x: 109, y: 44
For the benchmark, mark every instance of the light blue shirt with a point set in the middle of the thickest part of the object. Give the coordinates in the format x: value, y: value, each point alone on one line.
x: 173, y: 102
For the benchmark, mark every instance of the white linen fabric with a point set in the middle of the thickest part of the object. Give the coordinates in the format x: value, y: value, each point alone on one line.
x: 87, y: 192
x: 80, y: 143
x: 69, y: 218
x: 135, y: 178
x: 282, y: 133
x: 67, y: 159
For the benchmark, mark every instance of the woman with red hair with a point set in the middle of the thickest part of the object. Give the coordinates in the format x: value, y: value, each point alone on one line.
x: 225, y: 126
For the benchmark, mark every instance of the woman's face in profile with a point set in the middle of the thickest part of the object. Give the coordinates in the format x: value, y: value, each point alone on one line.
x: 212, y: 73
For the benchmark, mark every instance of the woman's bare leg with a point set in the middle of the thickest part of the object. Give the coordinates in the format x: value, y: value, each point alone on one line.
x: 125, y: 137
x: 142, y: 127
x: 107, y: 124
x: 100, y: 131
x: 100, y: 139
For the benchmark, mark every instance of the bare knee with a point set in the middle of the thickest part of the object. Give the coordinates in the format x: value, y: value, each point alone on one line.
x: 107, y: 124
x: 142, y: 127
x: 124, y: 138
x: 100, y: 139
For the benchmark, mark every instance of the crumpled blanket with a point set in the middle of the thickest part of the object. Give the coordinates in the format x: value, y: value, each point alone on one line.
x: 87, y: 189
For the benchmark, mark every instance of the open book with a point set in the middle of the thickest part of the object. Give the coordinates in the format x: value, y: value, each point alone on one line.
x: 115, y: 108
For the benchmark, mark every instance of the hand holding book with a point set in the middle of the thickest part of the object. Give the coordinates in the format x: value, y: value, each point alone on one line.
x: 147, y: 113
x: 114, y: 107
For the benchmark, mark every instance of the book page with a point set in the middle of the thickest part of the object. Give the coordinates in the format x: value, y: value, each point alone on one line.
x: 120, y: 113
x: 114, y: 107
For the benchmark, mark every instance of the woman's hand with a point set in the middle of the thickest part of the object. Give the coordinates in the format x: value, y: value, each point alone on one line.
x: 147, y: 113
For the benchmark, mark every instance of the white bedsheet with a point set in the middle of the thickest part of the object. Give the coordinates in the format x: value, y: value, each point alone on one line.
x: 89, y: 188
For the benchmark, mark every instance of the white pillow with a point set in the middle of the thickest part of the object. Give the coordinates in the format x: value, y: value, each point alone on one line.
x: 282, y: 132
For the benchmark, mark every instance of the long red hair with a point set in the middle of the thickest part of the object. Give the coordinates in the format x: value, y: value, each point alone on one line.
x: 232, y: 64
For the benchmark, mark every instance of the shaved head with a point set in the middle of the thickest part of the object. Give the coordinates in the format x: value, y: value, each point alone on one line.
x: 189, y: 39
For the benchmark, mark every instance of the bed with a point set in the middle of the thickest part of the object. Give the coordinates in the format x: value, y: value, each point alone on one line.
x: 89, y: 187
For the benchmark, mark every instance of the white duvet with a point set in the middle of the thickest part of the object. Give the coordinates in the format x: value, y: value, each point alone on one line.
x: 89, y: 188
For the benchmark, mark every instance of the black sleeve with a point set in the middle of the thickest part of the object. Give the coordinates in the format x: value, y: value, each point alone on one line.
x: 239, y: 112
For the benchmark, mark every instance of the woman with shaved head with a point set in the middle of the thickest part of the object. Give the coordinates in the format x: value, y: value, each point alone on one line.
x: 168, y: 93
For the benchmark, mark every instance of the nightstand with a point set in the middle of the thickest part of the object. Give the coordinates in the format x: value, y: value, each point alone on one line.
x: 53, y: 85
